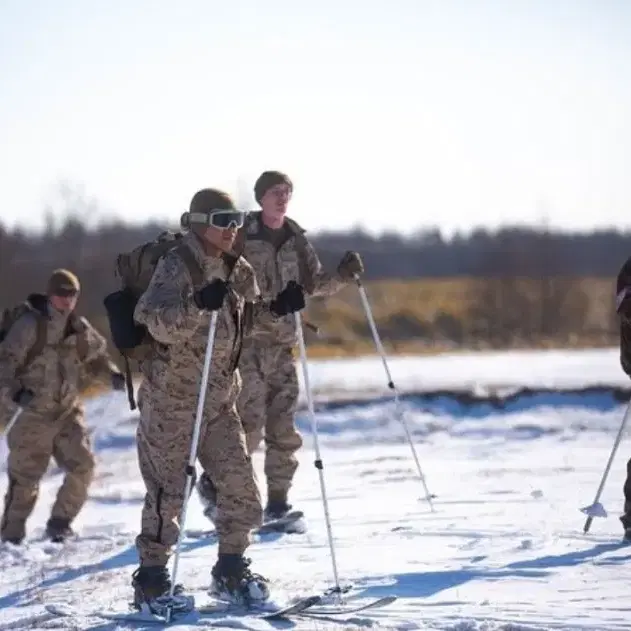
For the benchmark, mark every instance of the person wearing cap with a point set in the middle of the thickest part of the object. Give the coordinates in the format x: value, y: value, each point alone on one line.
x: 281, y: 255
x: 46, y: 384
x: 176, y: 311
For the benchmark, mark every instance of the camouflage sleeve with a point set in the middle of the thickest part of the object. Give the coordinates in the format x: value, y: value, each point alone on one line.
x: 96, y: 344
x: 20, y: 338
x: 318, y: 281
x: 244, y: 281
x: 247, y: 285
x: 167, y: 308
x: 101, y: 366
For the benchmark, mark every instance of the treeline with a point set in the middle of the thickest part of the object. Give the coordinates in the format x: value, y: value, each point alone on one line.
x: 520, y: 251
x: 527, y: 284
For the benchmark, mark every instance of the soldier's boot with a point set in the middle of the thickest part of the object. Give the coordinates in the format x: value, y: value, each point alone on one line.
x: 232, y: 580
x: 277, y: 506
x: 152, y: 584
x: 58, y: 529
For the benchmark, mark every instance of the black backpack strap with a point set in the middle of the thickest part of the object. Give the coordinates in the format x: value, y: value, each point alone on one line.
x: 305, y: 278
x: 41, y: 338
x: 194, y: 268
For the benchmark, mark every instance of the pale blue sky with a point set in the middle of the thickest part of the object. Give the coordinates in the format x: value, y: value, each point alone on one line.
x: 390, y: 114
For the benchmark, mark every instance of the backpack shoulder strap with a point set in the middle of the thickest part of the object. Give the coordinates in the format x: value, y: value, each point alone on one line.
x: 301, y: 247
x: 194, y: 268
x: 251, y: 220
x: 239, y: 242
x: 231, y: 261
x: 78, y: 326
x: 83, y: 347
x: 41, y: 338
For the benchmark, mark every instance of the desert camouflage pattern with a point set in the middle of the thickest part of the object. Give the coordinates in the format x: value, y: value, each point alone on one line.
x: 276, y: 261
x: 55, y: 374
x: 53, y: 423
x: 270, y: 384
x: 32, y: 441
x: 267, y: 406
x: 100, y: 369
x: 168, y: 402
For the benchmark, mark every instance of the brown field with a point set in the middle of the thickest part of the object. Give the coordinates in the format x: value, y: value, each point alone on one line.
x: 432, y: 316
x: 416, y: 316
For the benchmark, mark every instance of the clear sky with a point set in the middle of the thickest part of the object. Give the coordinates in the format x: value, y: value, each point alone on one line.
x: 389, y: 114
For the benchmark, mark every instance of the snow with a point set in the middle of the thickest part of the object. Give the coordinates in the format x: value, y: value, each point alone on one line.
x: 342, y: 378
x: 502, y: 550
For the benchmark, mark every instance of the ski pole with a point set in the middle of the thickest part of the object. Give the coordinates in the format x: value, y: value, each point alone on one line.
x: 190, y: 469
x: 318, y: 461
x: 596, y: 509
x: 7, y: 429
x: 382, y: 353
x: 13, y: 420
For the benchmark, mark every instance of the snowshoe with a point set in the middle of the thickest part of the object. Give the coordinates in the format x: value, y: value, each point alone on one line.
x: 234, y: 582
x: 58, y: 529
x: 152, y: 585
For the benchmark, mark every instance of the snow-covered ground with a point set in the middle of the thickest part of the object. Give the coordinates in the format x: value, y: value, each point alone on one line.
x: 503, y: 548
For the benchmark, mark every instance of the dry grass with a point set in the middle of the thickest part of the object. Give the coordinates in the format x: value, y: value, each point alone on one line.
x: 407, y: 313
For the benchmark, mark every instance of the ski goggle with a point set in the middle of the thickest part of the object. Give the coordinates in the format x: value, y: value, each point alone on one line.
x: 222, y: 219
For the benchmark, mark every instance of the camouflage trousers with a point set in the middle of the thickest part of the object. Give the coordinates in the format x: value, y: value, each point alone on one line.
x: 267, y: 406
x: 626, y: 489
x: 164, y: 438
x: 32, y: 441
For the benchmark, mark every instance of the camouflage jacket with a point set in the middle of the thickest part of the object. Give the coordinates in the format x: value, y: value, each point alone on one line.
x: 276, y: 262
x: 180, y: 329
x: 55, y: 375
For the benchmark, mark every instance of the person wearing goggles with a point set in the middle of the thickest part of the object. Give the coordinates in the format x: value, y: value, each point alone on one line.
x: 175, y: 310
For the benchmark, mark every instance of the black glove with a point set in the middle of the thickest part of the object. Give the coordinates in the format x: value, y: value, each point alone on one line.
x: 350, y: 265
x: 23, y: 397
x: 211, y: 296
x: 118, y: 381
x: 290, y: 300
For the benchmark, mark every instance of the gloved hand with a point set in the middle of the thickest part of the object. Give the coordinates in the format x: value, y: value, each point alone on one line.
x: 118, y: 381
x: 211, y: 296
x: 349, y: 265
x: 23, y: 397
x: 290, y: 300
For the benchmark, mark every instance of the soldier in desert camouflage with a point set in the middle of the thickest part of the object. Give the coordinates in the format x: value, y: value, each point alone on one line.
x: 46, y: 385
x: 176, y: 310
x: 279, y: 252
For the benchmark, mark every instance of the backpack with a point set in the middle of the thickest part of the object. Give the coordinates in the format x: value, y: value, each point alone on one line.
x: 135, y: 269
x: 37, y: 305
